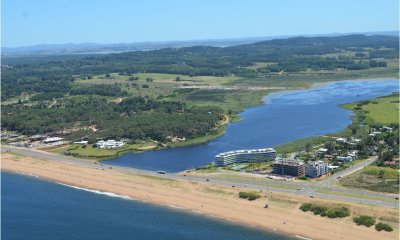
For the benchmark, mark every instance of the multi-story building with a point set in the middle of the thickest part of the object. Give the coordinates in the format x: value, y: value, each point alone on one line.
x: 109, y: 144
x: 316, y: 169
x: 241, y: 156
x: 290, y: 167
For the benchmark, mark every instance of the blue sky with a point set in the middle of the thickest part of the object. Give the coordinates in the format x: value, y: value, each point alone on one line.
x: 30, y: 22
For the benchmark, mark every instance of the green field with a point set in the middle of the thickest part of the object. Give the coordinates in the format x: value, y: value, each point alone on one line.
x: 383, y: 110
x: 306, y: 78
x: 380, y: 179
x: 99, y: 153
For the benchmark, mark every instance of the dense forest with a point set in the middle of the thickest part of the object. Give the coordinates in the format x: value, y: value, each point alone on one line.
x: 133, y: 118
x: 290, y: 55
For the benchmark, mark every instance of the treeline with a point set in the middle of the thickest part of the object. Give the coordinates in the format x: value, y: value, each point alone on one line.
x: 133, y: 118
x: 99, y: 89
x: 293, y: 54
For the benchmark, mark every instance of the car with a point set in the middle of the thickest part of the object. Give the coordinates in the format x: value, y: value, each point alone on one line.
x: 298, y: 188
x: 246, y: 185
x: 397, y: 198
x: 233, y: 185
x: 311, y: 196
x: 207, y: 180
x: 161, y: 172
x: 184, y: 175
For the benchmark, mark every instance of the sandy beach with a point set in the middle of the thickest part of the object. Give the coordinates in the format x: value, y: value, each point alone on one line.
x: 282, y: 216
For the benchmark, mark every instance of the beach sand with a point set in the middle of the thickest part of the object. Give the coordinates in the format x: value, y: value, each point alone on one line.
x: 282, y: 216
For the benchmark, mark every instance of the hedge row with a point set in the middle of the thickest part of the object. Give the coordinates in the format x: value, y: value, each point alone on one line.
x: 330, y: 212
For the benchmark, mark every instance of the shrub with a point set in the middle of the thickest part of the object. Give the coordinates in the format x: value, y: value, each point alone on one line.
x: 319, y: 210
x: 383, y: 226
x: 340, y: 212
x: 337, y: 212
x: 305, y: 207
x: 249, y: 195
x: 364, y: 220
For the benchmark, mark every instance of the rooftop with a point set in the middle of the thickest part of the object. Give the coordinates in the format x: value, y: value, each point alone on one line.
x: 247, y: 151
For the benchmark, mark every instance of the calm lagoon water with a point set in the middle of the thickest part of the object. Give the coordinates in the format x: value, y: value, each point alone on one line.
x: 36, y: 209
x: 287, y: 116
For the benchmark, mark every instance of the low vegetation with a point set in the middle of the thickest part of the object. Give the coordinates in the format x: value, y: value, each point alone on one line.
x: 380, y: 226
x: 251, y: 196
x: 326, y: 211
x: 374, y: 178
x: 381, y: 111
x: 364, y: 220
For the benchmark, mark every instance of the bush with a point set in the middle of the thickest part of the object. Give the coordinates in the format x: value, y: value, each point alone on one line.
x: 249, y: 195
x: 337, y: 212
x: 383, y: 226
x: 340, y: 212
x: 319, y: 210
x: 305, y: 207
x: 364, y: 220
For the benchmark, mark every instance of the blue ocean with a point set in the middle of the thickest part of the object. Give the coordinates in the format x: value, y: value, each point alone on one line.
x: 43, y: 210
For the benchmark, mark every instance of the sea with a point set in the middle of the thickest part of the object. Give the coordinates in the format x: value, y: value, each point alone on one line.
x: 36, y: 209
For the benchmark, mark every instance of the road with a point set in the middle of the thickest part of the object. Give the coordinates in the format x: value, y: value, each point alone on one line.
x: 264, y: 185
x: 348, y: 171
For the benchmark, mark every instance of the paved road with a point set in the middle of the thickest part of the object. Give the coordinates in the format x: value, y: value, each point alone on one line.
x: 331, y: 179
x: 264, y: 185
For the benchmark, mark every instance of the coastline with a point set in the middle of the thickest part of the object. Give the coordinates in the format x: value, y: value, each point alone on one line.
x: 283, y: 215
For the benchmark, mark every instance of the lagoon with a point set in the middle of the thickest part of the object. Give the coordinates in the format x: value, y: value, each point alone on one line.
x: 286, y: 116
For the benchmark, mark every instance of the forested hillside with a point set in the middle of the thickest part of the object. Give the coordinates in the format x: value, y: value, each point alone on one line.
x: 290, y: 55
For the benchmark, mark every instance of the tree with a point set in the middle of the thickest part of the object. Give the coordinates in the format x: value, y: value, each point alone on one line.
x: 107, y: 75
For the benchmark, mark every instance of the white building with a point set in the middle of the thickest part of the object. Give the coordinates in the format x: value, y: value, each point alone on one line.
x: 316, y: 169
x: 341, y: 140
x: 52, y: 139
x: 344, y: 159
x: 353, y: 154
x: 388, y: 129
x: 240, y: 156
x: 321, y: 152
x: 81, y: 142
x: 109, y: 144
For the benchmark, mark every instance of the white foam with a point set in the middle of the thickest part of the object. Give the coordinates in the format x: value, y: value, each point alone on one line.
x: 303, y: 237
x: 110, y: 194
x: 27, y: 174
x: 173, y: 206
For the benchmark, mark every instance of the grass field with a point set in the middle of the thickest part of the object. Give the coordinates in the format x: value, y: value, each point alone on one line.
x: 99, y: 153
x: 300, y: 144
x: 383, y: 110
x: 305, y: 78
x: 380, y: 179
x: 232, y: 101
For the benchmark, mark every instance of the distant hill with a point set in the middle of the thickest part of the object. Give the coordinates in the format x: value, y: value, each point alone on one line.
x: 96, y: 48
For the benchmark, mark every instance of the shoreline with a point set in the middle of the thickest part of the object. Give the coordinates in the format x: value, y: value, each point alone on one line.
x: 263, y: 101
x: 282, y: 217
x: 222, y: 128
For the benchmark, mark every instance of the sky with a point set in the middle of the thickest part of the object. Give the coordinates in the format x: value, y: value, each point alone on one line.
x: 31, y: 22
